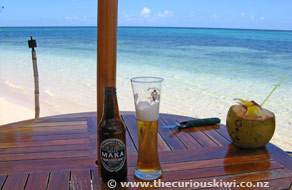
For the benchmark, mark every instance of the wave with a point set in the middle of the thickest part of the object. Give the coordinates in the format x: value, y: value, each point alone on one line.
x: 51, y: 94
x: 12, y: 85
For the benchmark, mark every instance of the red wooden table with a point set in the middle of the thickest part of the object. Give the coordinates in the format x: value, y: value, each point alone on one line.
x: 59, y: 152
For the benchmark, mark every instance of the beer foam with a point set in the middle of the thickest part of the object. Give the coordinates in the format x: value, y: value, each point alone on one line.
x: 147, y: 112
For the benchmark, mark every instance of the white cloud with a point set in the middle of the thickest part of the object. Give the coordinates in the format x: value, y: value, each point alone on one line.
x: 145, y: 12
x: 124, y: 14
x: 251, y: 17
x: 242, y: 14
x: 193, y: 17
x: 72, y: 18
x: 166, y: 13
x: 124, y: 17
x: 76, y: 18
x: 262, y: 18
x: 214, y: 16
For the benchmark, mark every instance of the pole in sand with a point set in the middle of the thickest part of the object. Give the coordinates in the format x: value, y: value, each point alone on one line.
x: 32, y: 44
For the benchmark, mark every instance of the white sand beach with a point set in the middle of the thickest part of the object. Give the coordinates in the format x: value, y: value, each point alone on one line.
x: 11, y: 112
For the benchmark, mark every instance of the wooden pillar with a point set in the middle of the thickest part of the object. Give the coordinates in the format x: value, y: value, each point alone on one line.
x: 36, y: 84
x: 32, y: 44
x: 106, y: 49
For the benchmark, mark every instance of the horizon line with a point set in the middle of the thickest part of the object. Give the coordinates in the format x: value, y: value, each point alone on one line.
x: 178, y: 27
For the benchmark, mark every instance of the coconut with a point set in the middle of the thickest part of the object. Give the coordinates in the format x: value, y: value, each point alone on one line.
x: 250, y: 131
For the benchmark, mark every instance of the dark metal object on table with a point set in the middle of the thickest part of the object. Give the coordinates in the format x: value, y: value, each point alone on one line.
x: 32, y: 44
x: 194, y: 123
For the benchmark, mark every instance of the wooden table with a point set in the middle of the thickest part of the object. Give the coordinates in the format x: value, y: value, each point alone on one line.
x: 59, y: 152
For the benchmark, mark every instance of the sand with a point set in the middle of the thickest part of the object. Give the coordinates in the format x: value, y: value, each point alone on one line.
x: 11, y: 112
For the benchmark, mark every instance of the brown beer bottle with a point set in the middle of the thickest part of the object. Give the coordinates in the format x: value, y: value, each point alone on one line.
x: 112, y: 150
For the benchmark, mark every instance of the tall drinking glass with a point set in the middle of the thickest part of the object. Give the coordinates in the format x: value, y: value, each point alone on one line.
x: 147, y: 92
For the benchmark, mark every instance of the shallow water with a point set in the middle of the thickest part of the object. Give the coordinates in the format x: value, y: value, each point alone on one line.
x: 204, y: 69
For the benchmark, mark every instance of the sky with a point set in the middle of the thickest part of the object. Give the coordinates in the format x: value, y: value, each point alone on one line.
x: 251, y: 14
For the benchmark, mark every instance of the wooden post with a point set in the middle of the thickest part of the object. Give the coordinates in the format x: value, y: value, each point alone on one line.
x: 106, y: 49
x: 32, y: 44
x: 36, y: 84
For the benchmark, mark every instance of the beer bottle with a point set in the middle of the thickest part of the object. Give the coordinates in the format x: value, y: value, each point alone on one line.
x: 112, y: 148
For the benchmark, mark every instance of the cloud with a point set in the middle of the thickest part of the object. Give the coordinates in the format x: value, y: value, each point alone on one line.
x: 242, y: 14
x: 124, y: 15
x: 251, y: 17
x: 262, y: 18
x: 166, y: 13
x: 127, y: 18
x: 146, y: 15
x: 72, y: 18
x: 214, y: 16
x: 76, y: 18
x: 145, y: 12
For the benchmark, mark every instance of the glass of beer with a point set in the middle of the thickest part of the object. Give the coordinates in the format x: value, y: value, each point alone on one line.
x: 147, y: 92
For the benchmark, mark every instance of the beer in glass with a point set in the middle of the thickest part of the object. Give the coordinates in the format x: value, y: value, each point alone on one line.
x: 146, y: 92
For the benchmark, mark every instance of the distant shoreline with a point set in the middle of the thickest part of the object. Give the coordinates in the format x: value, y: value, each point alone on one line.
x: 166, y: 27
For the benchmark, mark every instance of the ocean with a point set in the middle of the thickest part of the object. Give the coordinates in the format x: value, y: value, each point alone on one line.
x: 203, y: 69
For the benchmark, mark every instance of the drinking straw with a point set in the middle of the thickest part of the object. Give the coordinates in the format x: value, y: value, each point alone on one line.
x: 273, y: 90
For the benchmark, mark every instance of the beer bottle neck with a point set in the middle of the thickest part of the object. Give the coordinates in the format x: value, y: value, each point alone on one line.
x: 110, y: 107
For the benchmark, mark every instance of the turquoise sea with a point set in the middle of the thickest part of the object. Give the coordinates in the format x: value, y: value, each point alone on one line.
x: 204, y: 69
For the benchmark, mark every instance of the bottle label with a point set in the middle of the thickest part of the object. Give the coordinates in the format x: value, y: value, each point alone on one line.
x: 112, y: 154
